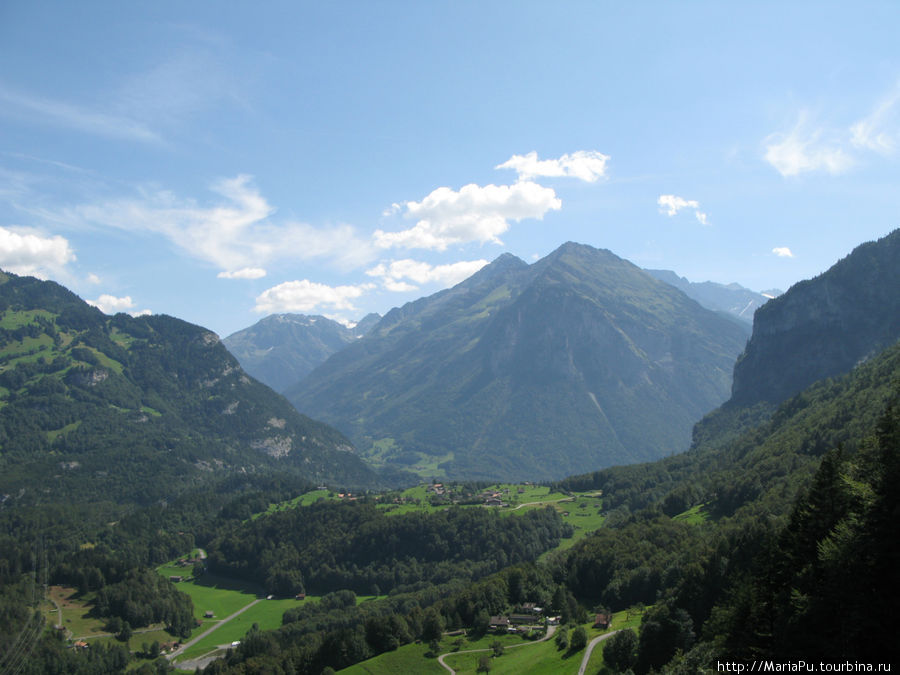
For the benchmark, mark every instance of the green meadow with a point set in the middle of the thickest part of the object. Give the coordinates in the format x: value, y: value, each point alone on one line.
x: 519, y: 656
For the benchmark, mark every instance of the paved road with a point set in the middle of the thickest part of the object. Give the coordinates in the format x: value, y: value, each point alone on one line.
x: 550, y: 631
x: 202, y: 635
x: 590, y: 648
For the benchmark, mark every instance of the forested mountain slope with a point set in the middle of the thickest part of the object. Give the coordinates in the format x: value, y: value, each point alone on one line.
x: 134, y: 409
x: 790, y: 527
x: 580, y: 360
x: 282, y: 349
x: 823, y: 326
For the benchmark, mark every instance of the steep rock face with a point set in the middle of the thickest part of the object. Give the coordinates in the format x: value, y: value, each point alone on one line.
x: 578, y: 361
x: 282, y: 349
x: 824, y: 326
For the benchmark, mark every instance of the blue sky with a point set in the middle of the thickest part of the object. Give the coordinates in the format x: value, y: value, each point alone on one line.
x: 219, y: 161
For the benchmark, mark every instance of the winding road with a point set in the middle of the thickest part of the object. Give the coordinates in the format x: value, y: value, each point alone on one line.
x: 550, y: 631
x: 590, y: 648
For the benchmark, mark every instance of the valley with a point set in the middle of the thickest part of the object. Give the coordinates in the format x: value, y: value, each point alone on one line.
x: 153, y: 493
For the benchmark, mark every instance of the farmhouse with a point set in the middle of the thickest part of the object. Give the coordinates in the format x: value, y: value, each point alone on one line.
x: 499, y: 622
x: 602, y: 621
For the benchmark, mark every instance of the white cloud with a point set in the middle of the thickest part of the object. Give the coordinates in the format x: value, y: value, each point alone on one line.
x: 474, y: 213
x: 93, y: 279
x: 110, y: 304
x: 879, y: 130
x: 783, y: 252
x: 393, y: 274
x: 305, y: 295
x: 238, y: 234
x: 243, y: 273
x: 586, y: 165
x: 74, y: 117
x: 27, y: 252
x: 672, y: 204
x: 800, y: 151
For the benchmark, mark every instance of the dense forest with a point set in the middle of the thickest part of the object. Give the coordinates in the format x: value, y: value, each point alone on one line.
x: 355, y: 546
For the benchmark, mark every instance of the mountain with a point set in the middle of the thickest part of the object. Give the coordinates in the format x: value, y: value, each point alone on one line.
x: 281, y: 349
x: 732, y: 299
x: 823, y: 326
x: 133, y: 409
x: 578, y: 361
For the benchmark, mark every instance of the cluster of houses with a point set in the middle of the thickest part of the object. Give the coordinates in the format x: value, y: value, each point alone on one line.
x: 188, y: 562
x: 530, y: 616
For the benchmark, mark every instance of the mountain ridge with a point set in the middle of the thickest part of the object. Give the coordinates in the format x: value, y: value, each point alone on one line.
x: 281, y: 349
x: 102, y: 403
x: 483, y: 356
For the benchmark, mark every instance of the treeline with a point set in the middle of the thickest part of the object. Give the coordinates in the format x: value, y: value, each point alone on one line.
x: 350, y: 545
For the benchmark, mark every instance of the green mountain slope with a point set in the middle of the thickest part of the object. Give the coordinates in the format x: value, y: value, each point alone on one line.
x: 824, y: 326
x: 282, y: 349
x: 133, y: 409
x: 578, y: 361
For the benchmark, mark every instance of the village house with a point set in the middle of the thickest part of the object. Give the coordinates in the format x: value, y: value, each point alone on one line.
x: 602, y: 621
x: 499, y: 622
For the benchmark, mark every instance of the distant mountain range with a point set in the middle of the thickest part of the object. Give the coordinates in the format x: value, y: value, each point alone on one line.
x: 134, y: 409
x: 281, y: 349
x: 824, y: 326
x: 578, y: 361
x: 732, y: 299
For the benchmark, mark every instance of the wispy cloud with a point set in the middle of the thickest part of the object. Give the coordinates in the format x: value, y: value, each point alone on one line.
x: 586, y: 165
x: 474, y: 213
x: 306, y: 295
x: 880, y: 129
x: 29, y: 252
x: 802, y: 150
x: 237, y: 234
x: 243, y: 273
x: 393, y: 275
x: 835, y: 149
x: 61, y: 113
x: 783, y: 252
x: 672, y: 204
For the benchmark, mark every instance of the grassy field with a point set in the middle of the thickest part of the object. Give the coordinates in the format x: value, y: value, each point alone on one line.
x: 224, y: 597
x: 74, y: 612
x: 519, y: 656
x: 696, y: 515
x: 412, y: 659
x: 301, y: 500
x: 544, y: 658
